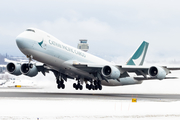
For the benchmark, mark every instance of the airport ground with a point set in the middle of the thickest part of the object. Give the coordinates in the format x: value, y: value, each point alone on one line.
x: 21, y: 103
x: 155, y: 100
x: 50, y: 104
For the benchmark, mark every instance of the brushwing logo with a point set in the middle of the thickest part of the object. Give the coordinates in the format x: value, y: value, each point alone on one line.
x: 40, y: 43
x: 140, y: 58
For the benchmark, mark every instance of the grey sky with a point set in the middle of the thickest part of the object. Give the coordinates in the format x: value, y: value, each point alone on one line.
x: 114, y: 28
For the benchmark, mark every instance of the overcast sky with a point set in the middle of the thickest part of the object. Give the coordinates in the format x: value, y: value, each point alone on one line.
x: 114, y: 28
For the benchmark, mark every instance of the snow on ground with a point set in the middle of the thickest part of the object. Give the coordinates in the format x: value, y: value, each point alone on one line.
x: 67, y: 109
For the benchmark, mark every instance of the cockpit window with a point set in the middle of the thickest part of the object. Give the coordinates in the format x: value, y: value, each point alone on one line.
x: 30, y: 30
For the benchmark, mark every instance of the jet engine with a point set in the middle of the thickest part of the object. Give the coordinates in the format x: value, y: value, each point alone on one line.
x: 14, y: 68
x: 29, y: 70
x: 158, y: 72
x: 110, y: 72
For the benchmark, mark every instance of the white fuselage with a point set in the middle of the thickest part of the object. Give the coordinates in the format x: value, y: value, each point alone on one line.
x: 59, y: 56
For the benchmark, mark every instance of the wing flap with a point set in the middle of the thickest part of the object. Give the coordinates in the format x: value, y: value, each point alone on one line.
x: 153, y: 78
x: 173, y: 68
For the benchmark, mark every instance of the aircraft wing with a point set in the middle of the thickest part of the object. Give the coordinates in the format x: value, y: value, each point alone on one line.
x: 125, y: 69
x: 89, y: 67
x: 173, y: 68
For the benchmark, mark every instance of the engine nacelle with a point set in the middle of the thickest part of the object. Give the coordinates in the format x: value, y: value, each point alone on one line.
x: 110, y: 72
x: 29, y: 70
x: 158, y: 72
x: 14, y: 68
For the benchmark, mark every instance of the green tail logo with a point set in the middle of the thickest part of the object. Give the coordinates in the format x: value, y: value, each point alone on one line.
x: 139, y: 56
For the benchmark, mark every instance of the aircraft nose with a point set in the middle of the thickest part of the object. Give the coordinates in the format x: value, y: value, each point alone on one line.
x: 20, y: 41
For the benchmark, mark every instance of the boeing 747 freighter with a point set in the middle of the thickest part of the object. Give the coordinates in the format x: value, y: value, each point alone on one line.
x: 68, y: 62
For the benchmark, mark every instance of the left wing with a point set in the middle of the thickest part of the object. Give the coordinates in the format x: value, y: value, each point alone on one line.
x: 155, y: 72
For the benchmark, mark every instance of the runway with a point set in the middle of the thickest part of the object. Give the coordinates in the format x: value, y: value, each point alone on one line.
x: 67, y: 106
x: 108, y: 96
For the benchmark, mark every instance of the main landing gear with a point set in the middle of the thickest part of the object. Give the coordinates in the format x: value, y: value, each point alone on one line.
x: 78, y: 86
x: 94, y: 85
x: 97, y: 85
x: 60, y: 84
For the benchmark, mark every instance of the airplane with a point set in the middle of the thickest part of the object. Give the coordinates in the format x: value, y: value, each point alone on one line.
x: 67, y: 62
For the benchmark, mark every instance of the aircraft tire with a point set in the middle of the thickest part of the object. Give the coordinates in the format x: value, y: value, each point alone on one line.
x: 96, y: 87
x: 74, y: 85
x: 93, y: 87
x: 100, y: 87
x: 90, y: 87
x: 59, y: 86
x: 80, y: 87
x: 63, y: 86
x: 87, y: 86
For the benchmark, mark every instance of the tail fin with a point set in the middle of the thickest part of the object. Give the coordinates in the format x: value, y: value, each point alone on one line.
x: 139, y: 56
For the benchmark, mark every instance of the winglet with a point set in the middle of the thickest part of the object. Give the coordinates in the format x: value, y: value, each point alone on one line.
x: 139, y: 56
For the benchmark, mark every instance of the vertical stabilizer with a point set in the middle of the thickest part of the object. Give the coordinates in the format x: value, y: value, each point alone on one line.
x: 139, y: 56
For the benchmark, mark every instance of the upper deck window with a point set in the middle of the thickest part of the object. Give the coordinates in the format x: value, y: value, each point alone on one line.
x: 30, y: 30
